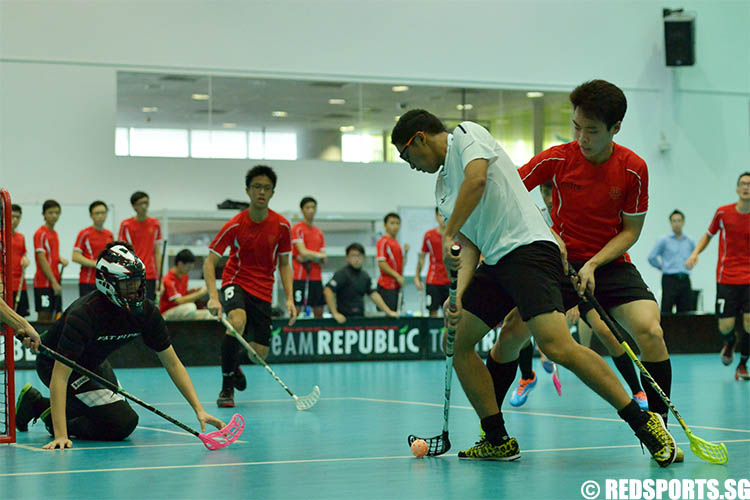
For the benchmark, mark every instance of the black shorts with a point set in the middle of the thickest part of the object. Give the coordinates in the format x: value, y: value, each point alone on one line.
x: 258, y: 312
x: 390, y: 297
x: 615, y: 284
x: 436, y: 296
x: 529, y: 278
x: 45, y: 300
x: 84, y: 288
x: 314, y: 293
x: 23, y: 303
x: 732, y: 300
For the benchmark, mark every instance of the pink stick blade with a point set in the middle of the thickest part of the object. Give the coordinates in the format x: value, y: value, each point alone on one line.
x: 226, y: 436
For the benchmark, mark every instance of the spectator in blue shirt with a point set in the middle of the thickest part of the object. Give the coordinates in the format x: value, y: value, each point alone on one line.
x: 669, y: 256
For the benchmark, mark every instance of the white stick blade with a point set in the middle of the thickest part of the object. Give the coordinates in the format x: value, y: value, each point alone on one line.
x: 306, y: 402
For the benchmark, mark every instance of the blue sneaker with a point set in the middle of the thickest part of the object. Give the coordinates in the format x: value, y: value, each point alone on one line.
x: 548, y: 365
x: 641, y: 399
x: 522, y: 393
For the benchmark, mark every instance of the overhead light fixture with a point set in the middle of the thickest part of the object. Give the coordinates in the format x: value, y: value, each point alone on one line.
x: 229, y: 125
x: 462, y: 107
x: 200, y: 97
x: 279, y: 114
x: 337, y: 101
x: 346, y: 128
x: 534, y: 95
x: 400, y: 88
x: 149, y: 109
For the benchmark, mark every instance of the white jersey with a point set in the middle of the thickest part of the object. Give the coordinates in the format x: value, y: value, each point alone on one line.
x: 506, y: 217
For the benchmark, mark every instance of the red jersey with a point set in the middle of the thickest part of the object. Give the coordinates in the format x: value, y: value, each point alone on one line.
x: 18, y: 245
x: 588, y: 200
x: 173, y: 287
x: 47, y: 243
x: 312, y: 237
x: 254, y: 249
x: 433, y: 245
x: 390, y: 251
x: 90, y: 242
x: 143, y: 235
x: 733, y: 266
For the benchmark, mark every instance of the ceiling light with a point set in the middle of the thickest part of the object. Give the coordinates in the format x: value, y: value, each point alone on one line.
x: 200, y: 97
x: 400, y: 88
x: 534, y: 95
x: 229, y: 125
x: 462, y: 107
x: 279, y: 114
x: 337, y: 101
x: 347, y: 128
x: 149, y: 109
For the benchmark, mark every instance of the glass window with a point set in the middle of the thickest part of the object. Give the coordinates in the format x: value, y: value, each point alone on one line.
x: 218, y: 144
x: 159, y: 142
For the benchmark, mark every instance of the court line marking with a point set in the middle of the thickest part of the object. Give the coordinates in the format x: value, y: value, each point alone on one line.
x: 291, y: 462
x: 38, y: 448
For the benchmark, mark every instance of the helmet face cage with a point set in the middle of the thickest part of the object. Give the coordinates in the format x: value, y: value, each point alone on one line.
x: 117, y: 265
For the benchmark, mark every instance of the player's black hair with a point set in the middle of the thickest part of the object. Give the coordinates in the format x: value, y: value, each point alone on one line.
x: 676, y: 212
x: 16, y: 208
x: 413, y: 121
x: 95, y: 204
x: 600, y: 100
x: 50, y: 204
x: 389, y: 215
x: 355, y: 246
x: 259, y: 170
x: 115, y: 243
x: 741, y: 176
x: 138, y: 195
x: 306, y: 200
x: 185, y: 256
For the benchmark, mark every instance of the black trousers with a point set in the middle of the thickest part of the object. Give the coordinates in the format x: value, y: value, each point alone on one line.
x: 676, y: 291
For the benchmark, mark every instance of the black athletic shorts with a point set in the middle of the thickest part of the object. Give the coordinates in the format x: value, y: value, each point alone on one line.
x: 258, y: 326
x: 436, y: 296
x: 529, y: 278
x: 732, y: 300
x: 390, y: 297
x: 23, y: 303
x: 84, y: 288
x: 45, y: 300
x: 615, y: 284
x: 314, y: 293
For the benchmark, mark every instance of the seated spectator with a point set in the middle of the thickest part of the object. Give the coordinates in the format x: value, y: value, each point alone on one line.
x: 177, y: 302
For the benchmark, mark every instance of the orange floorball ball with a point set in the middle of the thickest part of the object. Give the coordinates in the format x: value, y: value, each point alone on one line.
x: 419, y: 448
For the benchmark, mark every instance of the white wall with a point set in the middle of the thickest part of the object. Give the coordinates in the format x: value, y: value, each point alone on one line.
x: 59, y: 60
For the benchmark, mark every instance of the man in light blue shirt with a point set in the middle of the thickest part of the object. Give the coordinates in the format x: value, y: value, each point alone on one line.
x: 669, y: 256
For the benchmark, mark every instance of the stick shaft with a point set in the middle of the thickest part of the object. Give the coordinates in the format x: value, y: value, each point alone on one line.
x: 112, y: 387
x: 254, y: 354
x: 455, y: 250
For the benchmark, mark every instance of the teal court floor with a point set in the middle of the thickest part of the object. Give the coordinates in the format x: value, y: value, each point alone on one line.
x: 352, y: 445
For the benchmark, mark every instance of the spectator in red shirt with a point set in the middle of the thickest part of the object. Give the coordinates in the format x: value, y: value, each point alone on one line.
x: 258, y: 238
x: 19, y: 265
x: 391, y: 263
x: 732, y: 273
x: 308, y: 254
x: 600, y: 199
x: 47, y: 287
x: 144, y: 233
x: 437, y: 279
x: 89, y: 244
x: 177, y: 302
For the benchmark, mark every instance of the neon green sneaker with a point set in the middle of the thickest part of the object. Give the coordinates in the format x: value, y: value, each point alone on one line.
x: 660, y: 443
x: 484, y: 450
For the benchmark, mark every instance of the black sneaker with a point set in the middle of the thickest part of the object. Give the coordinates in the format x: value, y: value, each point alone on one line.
x: 226, y: 399
x: 26, y: 407
x: 46, y: 417
x: 727, y: 353
x: 660, y: 443
x: 240, y: 382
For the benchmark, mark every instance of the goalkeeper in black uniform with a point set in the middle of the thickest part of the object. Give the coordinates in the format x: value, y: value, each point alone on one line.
x: 93, y: 327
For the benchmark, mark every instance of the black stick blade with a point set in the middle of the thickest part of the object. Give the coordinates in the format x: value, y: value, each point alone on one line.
x: 436, y: 446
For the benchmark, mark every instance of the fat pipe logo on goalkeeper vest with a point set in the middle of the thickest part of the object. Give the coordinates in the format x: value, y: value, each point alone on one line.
x: 345, y: 341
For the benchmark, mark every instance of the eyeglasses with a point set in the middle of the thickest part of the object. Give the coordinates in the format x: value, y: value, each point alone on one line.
x: 404, y: 155
x: 261, y: 187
